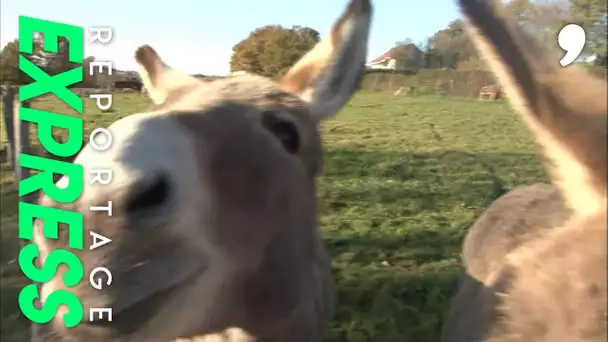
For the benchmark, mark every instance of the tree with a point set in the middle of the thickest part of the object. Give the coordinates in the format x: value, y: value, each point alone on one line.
x: 271, y: 50
x: 450, y: 46
x: 542, y: 18
x: 593, y: 17
x: 9, y: 63
x: 433, y: 59
x: 471, y: 64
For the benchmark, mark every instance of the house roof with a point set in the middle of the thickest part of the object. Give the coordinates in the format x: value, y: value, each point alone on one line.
x: 384, y: 56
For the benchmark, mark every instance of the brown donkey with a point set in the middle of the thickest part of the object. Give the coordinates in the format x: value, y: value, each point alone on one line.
x: 214, y: 223
x: 536, y: 259
x: 490, y: 91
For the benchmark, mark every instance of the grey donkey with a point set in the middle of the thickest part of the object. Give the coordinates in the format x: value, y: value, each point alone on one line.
x: 214, y: 223
x: 536, y: 259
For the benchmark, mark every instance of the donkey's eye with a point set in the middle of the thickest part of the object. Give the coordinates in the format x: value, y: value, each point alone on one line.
x: 284, y: 130
x: 149, y: 194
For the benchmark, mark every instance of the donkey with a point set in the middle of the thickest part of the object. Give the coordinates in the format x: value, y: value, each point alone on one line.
x: 214, y: 223
x: 491, y: 91
x: 536, y: 259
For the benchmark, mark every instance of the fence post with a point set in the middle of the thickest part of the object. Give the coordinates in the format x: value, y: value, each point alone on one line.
x: 7, y: 102
x: 18, y: 140
x: 22, y: 145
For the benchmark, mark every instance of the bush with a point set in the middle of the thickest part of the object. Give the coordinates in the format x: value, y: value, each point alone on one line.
x: 450, y: 82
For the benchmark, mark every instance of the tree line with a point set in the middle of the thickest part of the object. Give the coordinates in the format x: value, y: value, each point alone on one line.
x: 451, y: 48
x: 270, y: 50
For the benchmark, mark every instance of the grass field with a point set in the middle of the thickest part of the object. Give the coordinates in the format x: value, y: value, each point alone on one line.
x: 404, y: 178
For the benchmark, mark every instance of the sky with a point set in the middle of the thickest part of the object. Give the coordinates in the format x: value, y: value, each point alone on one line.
x: 197, y: 36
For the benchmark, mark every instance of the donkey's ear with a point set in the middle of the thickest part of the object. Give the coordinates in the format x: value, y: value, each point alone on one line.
x: 328, y: 75
x: 158, y: 78
x: 564, y: 107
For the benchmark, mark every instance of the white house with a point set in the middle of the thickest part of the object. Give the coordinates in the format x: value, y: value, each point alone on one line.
x: 386, y: 61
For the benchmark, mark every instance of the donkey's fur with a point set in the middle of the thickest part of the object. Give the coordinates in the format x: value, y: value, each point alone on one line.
x: 214, y: 226
x: 536, y: 260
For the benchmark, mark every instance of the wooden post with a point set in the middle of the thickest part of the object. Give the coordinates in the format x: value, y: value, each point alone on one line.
x: 22, y: 145
x: 18, y: 140
x: 7, y: 101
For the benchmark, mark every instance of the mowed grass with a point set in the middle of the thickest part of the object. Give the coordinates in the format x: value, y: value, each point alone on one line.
x: 403, y: 180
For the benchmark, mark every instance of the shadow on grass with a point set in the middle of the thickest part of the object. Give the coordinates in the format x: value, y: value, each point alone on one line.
x: 394, y: 224
x: 391, y: 301
x: 472, y: 312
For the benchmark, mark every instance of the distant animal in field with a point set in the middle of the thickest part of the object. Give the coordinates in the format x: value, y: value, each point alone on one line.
x: 214, y: 227
x: 535, y: 261
x: 404, y: 91
x: 490, y: 92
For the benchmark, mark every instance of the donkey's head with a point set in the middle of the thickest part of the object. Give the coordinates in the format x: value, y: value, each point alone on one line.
x: 213, y: 213
x: 557, y: 291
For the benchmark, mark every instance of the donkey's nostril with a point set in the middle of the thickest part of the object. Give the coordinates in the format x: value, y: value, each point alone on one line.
x: 150, y: 193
